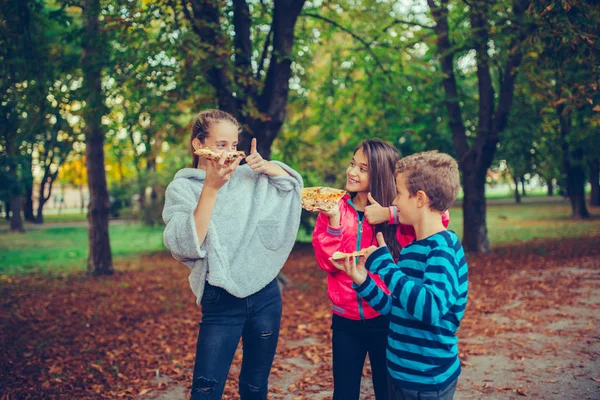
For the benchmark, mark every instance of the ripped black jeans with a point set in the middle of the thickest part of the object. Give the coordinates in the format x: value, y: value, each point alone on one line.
x: 225, y: 318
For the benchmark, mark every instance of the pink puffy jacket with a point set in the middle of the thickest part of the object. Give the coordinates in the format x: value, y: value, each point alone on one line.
x: 327, y: 240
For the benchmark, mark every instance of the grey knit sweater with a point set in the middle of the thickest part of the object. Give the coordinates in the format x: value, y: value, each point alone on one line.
x: 251, y: 232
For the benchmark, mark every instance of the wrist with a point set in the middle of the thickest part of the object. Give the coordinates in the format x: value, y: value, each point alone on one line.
x: 359, y: 279
x: 209, y: 190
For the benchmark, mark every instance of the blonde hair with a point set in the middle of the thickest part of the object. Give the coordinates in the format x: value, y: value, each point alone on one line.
x: 204, y: 121
x: 434, y: 173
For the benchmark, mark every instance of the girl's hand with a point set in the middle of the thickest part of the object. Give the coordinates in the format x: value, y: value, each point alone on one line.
x: 217, y: 174
x: 357, y: 272
x: 255, y: 160
x: 375, y: 213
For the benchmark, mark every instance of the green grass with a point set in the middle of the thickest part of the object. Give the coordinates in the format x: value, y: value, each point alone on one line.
x: 61, y: 249
x: 58, y: 249
x: 55, y: 218
x: 523, y: 222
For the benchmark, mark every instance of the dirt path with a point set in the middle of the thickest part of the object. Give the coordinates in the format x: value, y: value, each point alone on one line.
x: 535, y: 345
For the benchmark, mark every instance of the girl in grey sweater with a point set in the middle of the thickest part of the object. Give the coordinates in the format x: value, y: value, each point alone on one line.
x: 234, y: 227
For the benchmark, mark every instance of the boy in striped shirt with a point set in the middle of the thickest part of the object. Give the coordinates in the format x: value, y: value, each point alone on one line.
x: 428, y: 285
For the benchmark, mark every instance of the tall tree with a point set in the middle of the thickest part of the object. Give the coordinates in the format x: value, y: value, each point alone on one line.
x: 475, y: 156
x: 93, y: 59
x: 235, y: 66
x: 568, y: 73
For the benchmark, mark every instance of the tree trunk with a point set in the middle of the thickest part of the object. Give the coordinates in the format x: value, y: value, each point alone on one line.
x: 7, y: 216
x: 573, y: 165
x: 595, y: 183
x: 100, y: 258
x: 576, y: 184
x: 523, y: 186
x: 517, y: 194
x: 81, y: 199
x: 475, y: 159
x: 550, y: 186
x: 16, y: 222
x: 28, y: 208
x: 475, y: 237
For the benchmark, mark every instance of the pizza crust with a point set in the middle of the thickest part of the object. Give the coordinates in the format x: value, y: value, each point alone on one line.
x: 321, y: 198
x: 338, y: 255
x: 209, y: 154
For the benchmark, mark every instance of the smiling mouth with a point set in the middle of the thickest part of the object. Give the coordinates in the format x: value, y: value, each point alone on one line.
x: 352, y: 181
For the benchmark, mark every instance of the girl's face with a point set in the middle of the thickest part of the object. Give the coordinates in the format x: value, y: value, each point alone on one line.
x: 407, y: 205
x: 222, y: 136
x: 357, y: 174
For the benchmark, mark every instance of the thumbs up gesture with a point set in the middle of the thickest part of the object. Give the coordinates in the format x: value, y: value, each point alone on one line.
x: 375, y: 212
x: 255, y: 160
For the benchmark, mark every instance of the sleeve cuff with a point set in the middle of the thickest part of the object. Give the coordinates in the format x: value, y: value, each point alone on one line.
x: 365, y: 287
x: 334, y: 231
x: 286, y: 182
x: 200, y: 248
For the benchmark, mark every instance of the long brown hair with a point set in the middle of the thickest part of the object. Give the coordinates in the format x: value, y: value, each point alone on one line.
x: 382, y: 158
x: 204, y: 121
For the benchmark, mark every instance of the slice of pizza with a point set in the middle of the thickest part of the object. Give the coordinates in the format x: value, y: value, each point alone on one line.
x: 209, y: 154
x: 321, y: 198
x: 338, y: 255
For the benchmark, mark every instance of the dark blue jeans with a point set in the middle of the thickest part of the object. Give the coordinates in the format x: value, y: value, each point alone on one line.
x: 225, y: 318
x: 397, y: 393
x: 351, y: 341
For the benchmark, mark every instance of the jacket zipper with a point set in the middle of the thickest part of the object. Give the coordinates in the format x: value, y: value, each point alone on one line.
x: 361, y: 312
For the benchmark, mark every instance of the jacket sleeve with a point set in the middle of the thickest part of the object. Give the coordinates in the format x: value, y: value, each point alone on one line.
x: 326, y: 241
x: 180, y: 235
x: 286, y: 183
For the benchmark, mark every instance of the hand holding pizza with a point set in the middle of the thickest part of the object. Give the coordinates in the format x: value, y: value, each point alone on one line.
x: 217, y: 173
x: 375, y: 212
x: 356, y: 271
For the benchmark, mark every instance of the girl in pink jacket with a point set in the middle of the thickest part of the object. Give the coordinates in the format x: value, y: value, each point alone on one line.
x: 357, y: 328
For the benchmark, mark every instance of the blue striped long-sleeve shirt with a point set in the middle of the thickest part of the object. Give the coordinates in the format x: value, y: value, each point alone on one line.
x: 429, y: 288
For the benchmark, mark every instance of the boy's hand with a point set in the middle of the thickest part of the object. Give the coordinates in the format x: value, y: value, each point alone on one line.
x: 375, y: 212
x: 380, y: 243
x: 357, y: 272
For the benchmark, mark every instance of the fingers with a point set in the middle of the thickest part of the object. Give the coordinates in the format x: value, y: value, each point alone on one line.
x: 372, y: 200
x: 234, y: 164
x: 380, y: 240
x: 222, y: 158
x: 253, y: 146
x: 336, y: 264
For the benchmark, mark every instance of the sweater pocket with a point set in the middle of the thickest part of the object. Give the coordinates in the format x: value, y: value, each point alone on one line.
x: 269, y: 232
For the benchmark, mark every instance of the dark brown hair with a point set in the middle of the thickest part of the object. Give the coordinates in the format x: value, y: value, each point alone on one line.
x: 381, y: 159
x: 204, y: 122
x: 434, y: 173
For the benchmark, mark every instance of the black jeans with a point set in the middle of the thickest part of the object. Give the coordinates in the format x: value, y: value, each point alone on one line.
x: 351, y: 342
x: 225, y: 318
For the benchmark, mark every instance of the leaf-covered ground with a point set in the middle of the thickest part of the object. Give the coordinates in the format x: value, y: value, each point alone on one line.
x: 531, y: 329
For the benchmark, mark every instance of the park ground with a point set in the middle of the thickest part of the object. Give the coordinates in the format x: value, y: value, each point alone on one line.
x: 532, y: 326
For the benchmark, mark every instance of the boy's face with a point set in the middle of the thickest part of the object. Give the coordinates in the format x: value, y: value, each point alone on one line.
x: 407, y: 205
